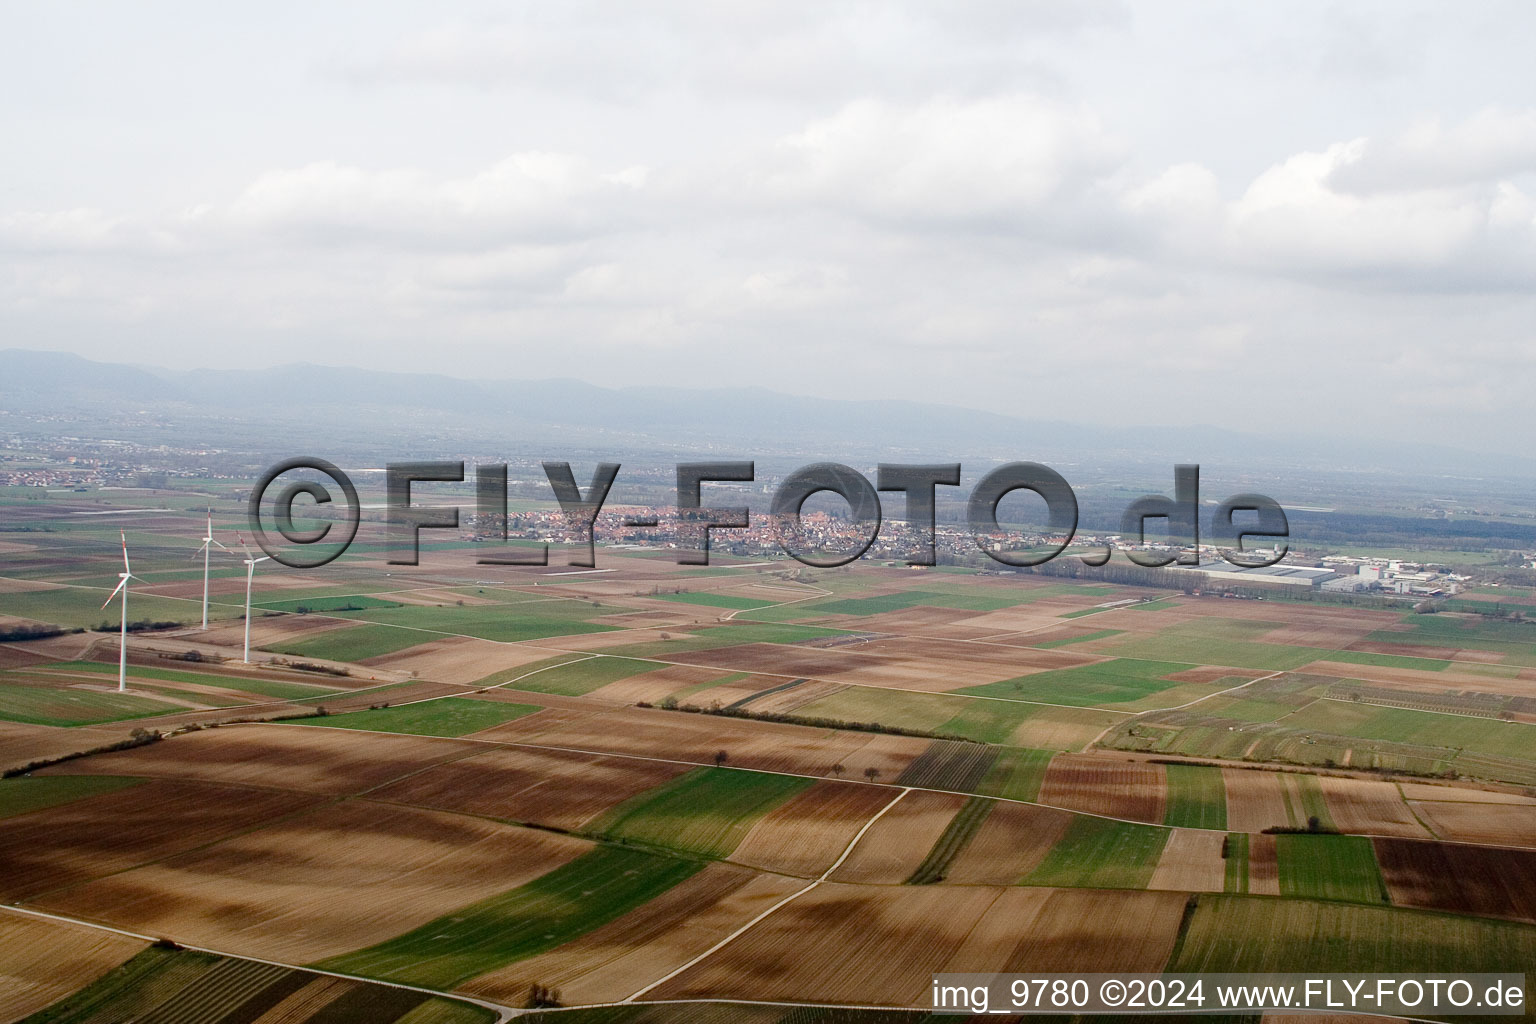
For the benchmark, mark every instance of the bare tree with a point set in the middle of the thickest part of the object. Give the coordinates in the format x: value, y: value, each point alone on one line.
x: 837, y: 770
x: 721, y: 757
x: 871, y: 773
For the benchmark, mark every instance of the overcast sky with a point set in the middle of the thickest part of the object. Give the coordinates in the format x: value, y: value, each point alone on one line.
x: 1295, y: 214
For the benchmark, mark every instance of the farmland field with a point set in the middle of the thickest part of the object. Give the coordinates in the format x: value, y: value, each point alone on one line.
x: 708, y: 811
x: 546, y: 912
x: 1329, y: 867
x: 1245, y: 933
x: 763, y: 783
x: 43, y: 960
x: 449, y: 716
x: 47, y: 705
x: 1097, y: 853
x: 352, y: 643
x: 1112, y: 682
x: 165, y: 985
x: 20, y: 795
x: 1197, y: 797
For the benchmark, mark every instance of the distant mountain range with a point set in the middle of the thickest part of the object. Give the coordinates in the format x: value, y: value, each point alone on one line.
x: 429, y: 411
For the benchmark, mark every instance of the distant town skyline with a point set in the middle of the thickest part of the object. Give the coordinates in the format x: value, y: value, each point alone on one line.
x: 1167, y: 213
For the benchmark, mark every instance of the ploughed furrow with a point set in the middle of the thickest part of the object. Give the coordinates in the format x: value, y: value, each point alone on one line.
x: 217, y: 992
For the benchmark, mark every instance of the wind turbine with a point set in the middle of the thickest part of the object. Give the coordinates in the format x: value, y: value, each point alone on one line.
x: 208, y: 542
x: 122, y: 588
x: 250, y: 572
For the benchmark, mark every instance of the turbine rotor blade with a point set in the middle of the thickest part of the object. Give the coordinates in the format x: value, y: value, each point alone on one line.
x: 124, y: 536
x: 120, y: 585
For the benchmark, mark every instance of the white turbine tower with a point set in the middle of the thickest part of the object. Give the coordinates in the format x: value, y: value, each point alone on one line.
x: 250, y: 573
x: 208, y: 542
x: 122, y: 588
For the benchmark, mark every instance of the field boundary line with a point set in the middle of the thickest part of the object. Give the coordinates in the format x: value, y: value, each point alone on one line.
x: 783, y: 902
x: 503, y: 1013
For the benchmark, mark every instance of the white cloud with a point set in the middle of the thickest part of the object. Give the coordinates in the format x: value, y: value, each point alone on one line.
x: 947, y: 160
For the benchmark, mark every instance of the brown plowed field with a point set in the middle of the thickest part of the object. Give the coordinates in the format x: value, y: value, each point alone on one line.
x: 893, y: 848
x: 335, y: 879
x: 98, y: 835
x: 1461, y: 879
x: 546, y: 787
x: 1073, y: 930
x: 291, y: 757
x: 43, y: 961
x: 22, y: 744
x: 889, y: 754
x: 277, y: 629
x: 1135, y: 790
x: 1191, y: 862
x: 653, y: 686
x: 1263, y: 865
x: 1430, y: 791
x: 1255, y: 800
x: 915, y: 664
x: 765, y: 746
x: 456, y: 659
x: 807, y: 834
x: 1467, y: 821
x: 788, y: 701
x: 857, y: 944
x: 921, y: 620
x: 1010, y: 844
x: 622, y: 957
x: 308, y: 1001
x: 1369, y: 807
x: 12, y: 656
x: 880, y: 945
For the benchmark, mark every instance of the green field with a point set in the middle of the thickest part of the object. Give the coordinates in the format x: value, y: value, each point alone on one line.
x: 352, y: 643
x: 960, y: 830
x: 1329, y: 867
x: 1424, y: 728
x: 1197, y: 797
x: 1046, y: 645
x: 47, y: 705
x: 987, y: 721
x: 1172, y: 645
x: 1110, y: 682
x: 552, y: 909
x: 81, y: 606
x: 1017, y: 774
x: 33, y: 793
x: 1236, y: 852
x: 716, y: 600
x: 571, y: 677
x: 1230, y: 933
x: 1097, y: 853
x: 445, y: 716
x: 707, y: 811
x: 342, y: 603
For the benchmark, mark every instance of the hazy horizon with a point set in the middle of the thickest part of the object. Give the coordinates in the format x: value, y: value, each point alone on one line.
x: 1164, y: 214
